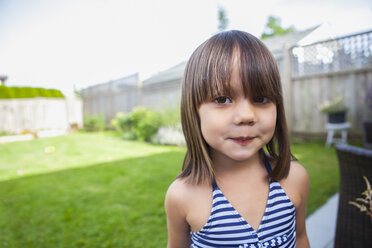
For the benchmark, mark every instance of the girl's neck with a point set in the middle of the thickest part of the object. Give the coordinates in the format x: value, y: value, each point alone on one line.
x: 224, y: 166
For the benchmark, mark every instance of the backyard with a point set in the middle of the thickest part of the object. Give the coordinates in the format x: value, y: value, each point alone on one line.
x: 97, y: 190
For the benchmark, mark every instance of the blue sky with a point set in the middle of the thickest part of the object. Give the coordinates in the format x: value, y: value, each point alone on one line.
x: 62, y: 43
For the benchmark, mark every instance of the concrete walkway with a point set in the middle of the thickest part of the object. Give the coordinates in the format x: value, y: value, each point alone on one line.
x: 321, y: 225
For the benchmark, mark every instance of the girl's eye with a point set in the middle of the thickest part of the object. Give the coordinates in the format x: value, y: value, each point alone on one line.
x: 261, y: 100
x: 222, y: 100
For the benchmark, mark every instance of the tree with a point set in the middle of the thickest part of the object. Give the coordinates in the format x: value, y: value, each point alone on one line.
x: 273, y: 28
x: 3, y: 78
x: 222, y: 19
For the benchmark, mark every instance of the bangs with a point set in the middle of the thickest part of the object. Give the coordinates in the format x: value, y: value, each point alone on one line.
x: 258, y: 70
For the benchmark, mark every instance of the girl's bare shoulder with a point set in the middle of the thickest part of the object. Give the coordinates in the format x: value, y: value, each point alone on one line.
x: 182, y: 192
x: 297, y: 174
x: 296, y: 184
x: 178, y: 190
x: 191, y: 202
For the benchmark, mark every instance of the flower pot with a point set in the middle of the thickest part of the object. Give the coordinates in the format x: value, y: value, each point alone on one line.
x: 338, y: 117
x: 367, y: 134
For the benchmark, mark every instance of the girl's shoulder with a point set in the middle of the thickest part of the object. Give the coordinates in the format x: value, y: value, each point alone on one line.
x: 181, y: 191
x: 296, y: 184
x: 297, y: 173
x: 181, y: 186
x: 184, y: 196
x: 188, y: 204
x: 178, y: 190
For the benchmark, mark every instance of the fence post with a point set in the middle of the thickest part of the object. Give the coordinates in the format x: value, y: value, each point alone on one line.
x: 287, y: 82
x: 111, y: 102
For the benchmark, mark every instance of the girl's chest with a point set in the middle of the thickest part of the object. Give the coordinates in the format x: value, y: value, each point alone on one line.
x: 249, y: 202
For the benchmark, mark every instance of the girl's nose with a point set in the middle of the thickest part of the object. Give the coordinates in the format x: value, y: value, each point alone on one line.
x: 244, y: 113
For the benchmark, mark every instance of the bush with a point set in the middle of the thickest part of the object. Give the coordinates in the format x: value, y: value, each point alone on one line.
x: 94, y: 123
x: 55, y: 93
x: 141, y: 124
x: 24, y: 92
x: 121, y: 122
x: 144, y: 123
x: 6, y: 92
x: 170, y: 136
x: 28, y: 92
x: 42, y: 92
x: 170, y: 117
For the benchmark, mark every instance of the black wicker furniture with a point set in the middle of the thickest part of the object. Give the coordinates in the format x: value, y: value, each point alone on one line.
x: 354, y: 227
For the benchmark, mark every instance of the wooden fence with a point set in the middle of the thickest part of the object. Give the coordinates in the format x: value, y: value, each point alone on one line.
x: 310, y: 75
x: 323, y: 71
x: 37, y: 114
x: 112, y: 97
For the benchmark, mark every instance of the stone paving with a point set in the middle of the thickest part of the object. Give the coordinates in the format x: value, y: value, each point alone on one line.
x: 321, y: 225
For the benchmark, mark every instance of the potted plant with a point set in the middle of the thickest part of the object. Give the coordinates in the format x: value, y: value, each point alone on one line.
x: 367, y: 124
x: 335, y: 109
x: 74, y: 127
x: 364, y: 204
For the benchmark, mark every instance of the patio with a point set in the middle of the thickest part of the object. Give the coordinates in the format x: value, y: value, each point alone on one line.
x: 322, y: 233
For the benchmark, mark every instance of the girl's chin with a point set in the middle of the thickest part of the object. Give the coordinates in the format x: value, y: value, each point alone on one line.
x: 241, y: 157
x: 235, y: 155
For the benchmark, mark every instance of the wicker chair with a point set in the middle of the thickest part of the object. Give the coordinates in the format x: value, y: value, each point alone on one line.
x: 354, y: 228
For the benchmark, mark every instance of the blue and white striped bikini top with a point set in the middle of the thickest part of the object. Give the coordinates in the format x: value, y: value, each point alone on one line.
x: 227, y: 228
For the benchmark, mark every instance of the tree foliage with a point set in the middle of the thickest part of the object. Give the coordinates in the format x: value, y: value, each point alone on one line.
x: 273, y: 28
x: 222, y: 19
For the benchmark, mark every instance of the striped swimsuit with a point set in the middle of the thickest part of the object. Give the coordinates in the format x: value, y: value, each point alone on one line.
x: 227, y: 228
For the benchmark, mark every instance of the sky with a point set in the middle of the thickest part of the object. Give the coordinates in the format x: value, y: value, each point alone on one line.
x: 67, y: 44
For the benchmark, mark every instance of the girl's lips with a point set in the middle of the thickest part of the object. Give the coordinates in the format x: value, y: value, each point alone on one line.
x: 243, y: 140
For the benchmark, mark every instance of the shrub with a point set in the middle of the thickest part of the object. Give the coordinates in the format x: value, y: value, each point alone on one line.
x: 6, y: 92
x: 94, y: 123
x: 121, y: 122
x: 170, y: 117
x: 28, y: 92
x: 42, y: 92
x: 171, y: 135
x: 55, y: 93
x: 144, y: 123
x: 31, y: 92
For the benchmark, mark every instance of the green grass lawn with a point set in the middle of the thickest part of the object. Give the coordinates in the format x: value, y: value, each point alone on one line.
x: 96, y: 190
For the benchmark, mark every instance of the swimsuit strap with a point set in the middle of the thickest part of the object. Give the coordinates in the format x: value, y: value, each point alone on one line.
x: 267, y: 164
x: 214, y: 185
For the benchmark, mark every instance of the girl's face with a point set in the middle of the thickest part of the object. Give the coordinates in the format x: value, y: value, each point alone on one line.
x: 236, y: 127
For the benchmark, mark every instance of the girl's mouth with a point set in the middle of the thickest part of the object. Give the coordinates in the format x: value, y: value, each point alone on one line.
x: 243, y: 140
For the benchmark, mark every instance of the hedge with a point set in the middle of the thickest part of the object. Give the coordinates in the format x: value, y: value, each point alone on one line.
x: 28, y: 92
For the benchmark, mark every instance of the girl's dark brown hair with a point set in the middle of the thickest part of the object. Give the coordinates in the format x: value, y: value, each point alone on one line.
x: 207, y: 74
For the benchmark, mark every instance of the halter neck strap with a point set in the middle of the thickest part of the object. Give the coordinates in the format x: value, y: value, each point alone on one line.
x: 267, y: 164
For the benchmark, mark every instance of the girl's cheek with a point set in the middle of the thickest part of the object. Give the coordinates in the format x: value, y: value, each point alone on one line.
x: 269, y: 121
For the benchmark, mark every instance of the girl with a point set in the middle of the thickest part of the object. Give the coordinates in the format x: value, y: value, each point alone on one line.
x: 232, y: 193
